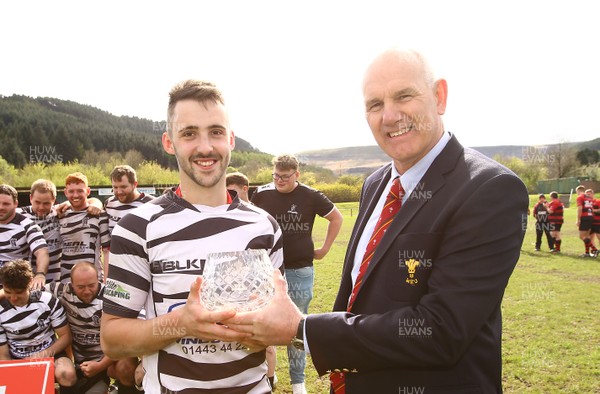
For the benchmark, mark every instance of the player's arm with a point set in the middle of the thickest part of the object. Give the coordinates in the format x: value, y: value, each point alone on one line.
x: 42, y: 261
x: 95, y: 206
x: 105, y: 254
x: 335, y: 219
x: 105, y: 242
x: 4, y: 353
x: 131, y: 337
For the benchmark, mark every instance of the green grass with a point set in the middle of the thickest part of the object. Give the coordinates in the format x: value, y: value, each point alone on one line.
x: 551, y: 336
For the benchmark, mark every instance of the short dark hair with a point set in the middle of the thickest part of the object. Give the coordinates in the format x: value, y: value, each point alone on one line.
x: 123, y: 170
x: 554, y: 195
x: 9, y: 191
x: 201, y: 91
x: 16, y: 274
x: 542, y: 196
x: 236, y: 178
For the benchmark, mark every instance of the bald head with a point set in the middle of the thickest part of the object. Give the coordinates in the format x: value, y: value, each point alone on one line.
x: 404, y: 59
x: 84, y: 280
x: 83, y: 267
x: 403, y: 105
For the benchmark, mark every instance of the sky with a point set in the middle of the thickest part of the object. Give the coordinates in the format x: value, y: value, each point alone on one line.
x: 518, y: 72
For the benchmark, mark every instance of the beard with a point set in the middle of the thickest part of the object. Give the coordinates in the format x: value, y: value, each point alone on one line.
x: 204, y: 179
x: 7, y: 215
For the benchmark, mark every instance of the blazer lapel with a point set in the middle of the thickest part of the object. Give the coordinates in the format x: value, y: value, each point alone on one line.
x: 431, y: 182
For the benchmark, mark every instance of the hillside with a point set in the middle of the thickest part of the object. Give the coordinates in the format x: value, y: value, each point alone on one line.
x: 366, y: 159
x: 31, y: 127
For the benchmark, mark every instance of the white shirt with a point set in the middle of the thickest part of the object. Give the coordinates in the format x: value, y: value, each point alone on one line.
x: 409, y: 181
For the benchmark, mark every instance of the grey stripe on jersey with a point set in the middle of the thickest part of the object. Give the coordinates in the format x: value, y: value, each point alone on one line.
x: 83, y: 237
x: 156, y: 253
x: 19, y: 238
x: 116, y: 209
x: 84, y: 320
x: 51, y: 229
x: 29, y: 329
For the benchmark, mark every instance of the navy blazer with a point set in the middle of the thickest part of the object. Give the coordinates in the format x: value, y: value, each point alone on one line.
x: 427, y: 318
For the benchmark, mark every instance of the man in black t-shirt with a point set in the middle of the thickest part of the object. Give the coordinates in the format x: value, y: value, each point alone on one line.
x: 295, y: 207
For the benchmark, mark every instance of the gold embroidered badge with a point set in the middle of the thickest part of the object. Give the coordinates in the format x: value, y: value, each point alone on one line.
x: 411, y: 265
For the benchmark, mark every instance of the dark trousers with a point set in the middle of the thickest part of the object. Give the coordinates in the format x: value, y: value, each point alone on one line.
x: 541, y: 228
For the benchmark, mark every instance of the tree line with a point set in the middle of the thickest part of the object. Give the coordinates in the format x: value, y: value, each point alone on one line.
x: 47, y: 130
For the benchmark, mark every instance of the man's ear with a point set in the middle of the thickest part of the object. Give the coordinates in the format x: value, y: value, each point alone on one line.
x: 232, y: 140
x: 167, y: 144
x: 441, y: 95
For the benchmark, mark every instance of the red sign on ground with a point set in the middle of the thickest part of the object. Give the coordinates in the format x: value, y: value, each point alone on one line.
x: 35, y: 376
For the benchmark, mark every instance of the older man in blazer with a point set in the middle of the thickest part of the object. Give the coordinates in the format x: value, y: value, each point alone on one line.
x: 425, y: 313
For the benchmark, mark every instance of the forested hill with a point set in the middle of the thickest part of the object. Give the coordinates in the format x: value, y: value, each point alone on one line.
x: 33, y: 126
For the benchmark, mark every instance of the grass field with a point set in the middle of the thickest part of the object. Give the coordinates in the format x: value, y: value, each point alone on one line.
x: 551, y: 336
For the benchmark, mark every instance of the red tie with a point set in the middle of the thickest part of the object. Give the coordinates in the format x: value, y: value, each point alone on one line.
x: 392, y: 205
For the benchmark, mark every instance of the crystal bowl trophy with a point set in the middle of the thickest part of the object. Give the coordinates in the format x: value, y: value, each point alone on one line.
x: 237, y: 280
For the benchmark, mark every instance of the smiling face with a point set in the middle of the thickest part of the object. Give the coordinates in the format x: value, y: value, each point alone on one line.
x: 404, y: 106
x: 124, y: 190
x: 285, y: 180
x: 77, y: 194
x: 201, y: 140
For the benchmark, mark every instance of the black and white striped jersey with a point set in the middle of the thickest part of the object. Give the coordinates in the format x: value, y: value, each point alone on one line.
x: 83, y: 237
x: 157, y: 251
x: 29, y: 329
x: 19, y: 238
x: 116, y: 209
x: 51, y: 229
x: 84, y: 320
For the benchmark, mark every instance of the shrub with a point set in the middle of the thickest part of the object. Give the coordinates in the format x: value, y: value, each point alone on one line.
x: 340, y: 192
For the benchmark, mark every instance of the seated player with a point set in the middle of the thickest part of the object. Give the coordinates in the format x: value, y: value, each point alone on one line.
x: 82, y: 300
x: 30, y: 322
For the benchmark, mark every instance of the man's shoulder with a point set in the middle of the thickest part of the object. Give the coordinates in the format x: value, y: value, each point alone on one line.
x: 22, y: 220
x: 110, y: 201
x: 26, y: 210
x: 144, y: 198
x: 480, y: 164
x: 146, y: 212
x: 39, y: 296
x: 265, y: 188
x: 311, y: 193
